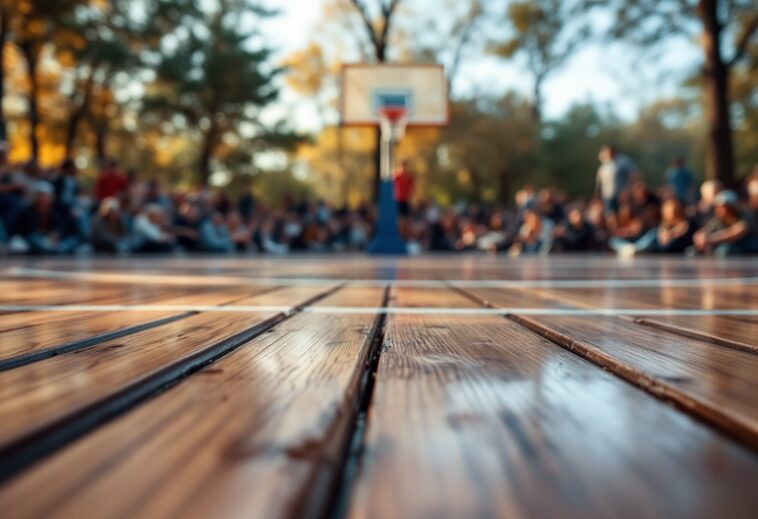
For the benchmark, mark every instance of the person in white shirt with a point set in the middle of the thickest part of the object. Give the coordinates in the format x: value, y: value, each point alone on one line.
x: 148, y: 231
x: 613, y: 177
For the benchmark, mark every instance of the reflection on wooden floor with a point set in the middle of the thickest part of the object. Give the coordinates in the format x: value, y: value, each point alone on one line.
x: 454, y: 386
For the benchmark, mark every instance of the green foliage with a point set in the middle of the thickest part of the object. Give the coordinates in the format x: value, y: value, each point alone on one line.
x: 212, y: 79
x: 543, y: 35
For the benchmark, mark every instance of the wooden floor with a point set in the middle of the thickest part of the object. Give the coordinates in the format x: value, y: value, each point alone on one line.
x: 457, y: 386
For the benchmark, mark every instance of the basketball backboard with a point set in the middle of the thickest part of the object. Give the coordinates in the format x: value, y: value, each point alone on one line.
x: 421, y: 89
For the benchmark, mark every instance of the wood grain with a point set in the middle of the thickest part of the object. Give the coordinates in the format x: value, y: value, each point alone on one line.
x: 35, y: 398
x: 479, y: 417
x: 733, y: 333
x: 248, y: 436
x: 24, y: 333
x: 714, y: 383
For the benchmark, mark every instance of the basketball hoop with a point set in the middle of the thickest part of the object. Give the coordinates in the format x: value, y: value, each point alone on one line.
x: 393, y: 121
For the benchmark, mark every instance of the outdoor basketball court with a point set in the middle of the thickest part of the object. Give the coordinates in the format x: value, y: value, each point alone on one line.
x: 463, y: 386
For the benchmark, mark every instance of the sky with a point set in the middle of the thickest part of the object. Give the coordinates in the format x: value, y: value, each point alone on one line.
x: 612, y: 75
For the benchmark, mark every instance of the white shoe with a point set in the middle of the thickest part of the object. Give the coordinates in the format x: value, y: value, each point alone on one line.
x: 627, y: 251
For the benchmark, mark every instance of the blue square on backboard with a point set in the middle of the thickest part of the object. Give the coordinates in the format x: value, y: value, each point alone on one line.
x: 393, y: 97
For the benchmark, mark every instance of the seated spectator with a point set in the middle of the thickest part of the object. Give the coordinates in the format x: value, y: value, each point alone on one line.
x: 66, y: 185
x: 534, y: 235
x: 439, y: 238
x: 109, y: 231
x: 496, y: 238
x: 153, y: 194
x: 246, y: 205
x: 674, y: 234
x: 644, y: 202
x: 149, y: 231
x: 13, y: 185
x: 751, y: 186
x: 730, y: 231
x: 550, y: 207
x: 575, y: 234
x: 43, y: 229
x: 626, y: 224
x: 265, y: 238
x: 214, y: 234
x: 240, y: 234
x: 186, y: 227
x: 704, y: 209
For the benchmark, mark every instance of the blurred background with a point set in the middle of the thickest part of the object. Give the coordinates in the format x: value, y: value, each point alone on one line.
x: 244, y: 94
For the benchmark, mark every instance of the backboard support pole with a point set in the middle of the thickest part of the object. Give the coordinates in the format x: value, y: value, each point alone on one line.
x: 387, y: 239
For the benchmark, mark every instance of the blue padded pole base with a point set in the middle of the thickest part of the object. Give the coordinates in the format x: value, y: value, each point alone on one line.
x: 387, y: 238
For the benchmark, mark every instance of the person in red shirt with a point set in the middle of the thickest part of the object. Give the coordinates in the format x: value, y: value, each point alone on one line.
x: 110, y: 182
x: 404, y: 184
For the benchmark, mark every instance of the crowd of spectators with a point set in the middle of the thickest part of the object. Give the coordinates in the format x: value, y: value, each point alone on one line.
x: 51, y: 212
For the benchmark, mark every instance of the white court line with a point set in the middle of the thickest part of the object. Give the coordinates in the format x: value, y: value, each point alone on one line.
x: 418, y: 283
x: 337, y: 310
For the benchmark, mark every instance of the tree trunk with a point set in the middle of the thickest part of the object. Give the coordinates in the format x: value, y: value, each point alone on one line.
x: 30, y: 56
x: 537, y: 102
x: 720, y: 164
x: 101, y: 141
x: 505, y: 187
x: 206, y: 154
x: 4, y: 27
x: 77, y: 114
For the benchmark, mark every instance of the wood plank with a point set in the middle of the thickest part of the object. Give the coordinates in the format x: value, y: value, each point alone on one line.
x: 514, y: 298
x: 30, y: 292
x: 37, y: 400
x: 258, y: 432
x: 712, y: 382
x: 476, y: 416
x: 736, y: 333
x: 40, y: 334
x: 354, y: 297
x: 706, y: 297
x: 429, y: 298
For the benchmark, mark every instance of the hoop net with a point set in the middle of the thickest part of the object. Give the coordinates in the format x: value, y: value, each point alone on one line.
x: 393, y: 120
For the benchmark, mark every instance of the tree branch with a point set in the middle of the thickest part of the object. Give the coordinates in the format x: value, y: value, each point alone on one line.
x: 750, y: 29
x: 387, y: 12
x: 366, y: 19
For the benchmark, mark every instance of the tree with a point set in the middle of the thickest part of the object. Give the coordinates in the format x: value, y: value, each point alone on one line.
x: 36, y: 24
x: 214, y: 81
x: 745, y: 107
x: 5, y: 27
x: 717, y: 25
x: 543, y: 35
x: 110, y: 41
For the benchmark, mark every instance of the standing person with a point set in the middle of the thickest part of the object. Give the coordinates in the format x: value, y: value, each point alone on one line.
x: 110, y: 182
x: 404, y: 185
x: 681, y: 181
x: 613, y: 177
